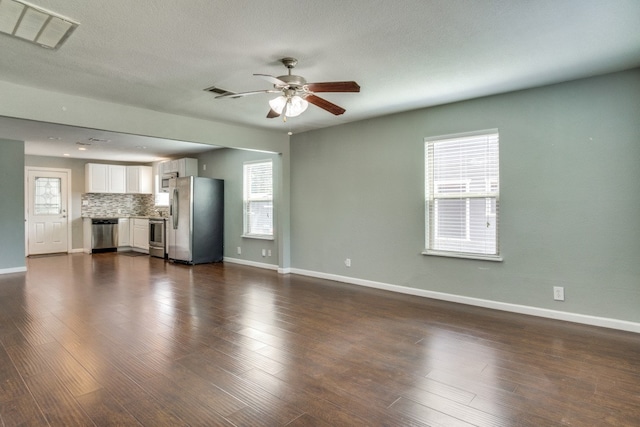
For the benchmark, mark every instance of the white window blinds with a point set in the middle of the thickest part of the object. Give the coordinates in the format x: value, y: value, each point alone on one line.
x: 462, y: 195
x: 258, y: 199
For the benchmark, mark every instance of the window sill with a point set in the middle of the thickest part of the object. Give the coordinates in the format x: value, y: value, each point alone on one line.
x: 257, y: 236
x: 495, y: 258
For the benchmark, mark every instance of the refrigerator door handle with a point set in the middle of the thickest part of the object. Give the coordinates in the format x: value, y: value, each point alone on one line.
x: 175, y: 208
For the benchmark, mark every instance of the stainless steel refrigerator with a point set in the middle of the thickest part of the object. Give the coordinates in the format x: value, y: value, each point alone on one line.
x: 196, y: 215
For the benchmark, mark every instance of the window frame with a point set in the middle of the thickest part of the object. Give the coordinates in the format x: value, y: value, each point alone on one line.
x: 247, y: 200
x: 432, y: 195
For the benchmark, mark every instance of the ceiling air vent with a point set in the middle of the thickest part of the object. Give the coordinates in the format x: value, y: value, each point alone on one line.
x: 33, y: 24
x: 218, y: 90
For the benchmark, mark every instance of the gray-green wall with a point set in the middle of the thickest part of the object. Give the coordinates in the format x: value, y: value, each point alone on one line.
x: 569, y: 201
x: 227, y: 164
x: 12, y: 206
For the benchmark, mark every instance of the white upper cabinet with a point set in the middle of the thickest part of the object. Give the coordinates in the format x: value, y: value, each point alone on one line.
x: 96, y: 178
x: 169, y: 166
x: 117, y: 179
x: 100, y: 178
x: 184, y: 167
x: 139, y: 179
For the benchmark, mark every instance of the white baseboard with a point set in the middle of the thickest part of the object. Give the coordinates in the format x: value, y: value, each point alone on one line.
x: 13, y: 270
x: 496, y: 305
x: 251, y: 263
x: 76, y: 251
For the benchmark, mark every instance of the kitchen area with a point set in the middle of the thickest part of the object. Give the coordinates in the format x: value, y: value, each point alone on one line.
x: 165, y: 211
x: 136, y: 208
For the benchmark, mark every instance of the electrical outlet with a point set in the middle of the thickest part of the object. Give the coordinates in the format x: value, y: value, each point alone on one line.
x: 239, y: 250
x: 264, y: 252
x: 347, y: 262
x: 204, y: 167
x: 558, y: 293
x: 269, y: 252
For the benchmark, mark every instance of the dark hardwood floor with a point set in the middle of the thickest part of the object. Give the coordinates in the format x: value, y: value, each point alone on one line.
x: 109, y: 339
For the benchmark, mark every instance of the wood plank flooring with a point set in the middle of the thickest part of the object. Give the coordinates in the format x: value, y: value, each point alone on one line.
x: 108, y: 339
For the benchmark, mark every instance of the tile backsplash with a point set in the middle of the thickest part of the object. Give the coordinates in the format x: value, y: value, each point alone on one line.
x: 107, y: 205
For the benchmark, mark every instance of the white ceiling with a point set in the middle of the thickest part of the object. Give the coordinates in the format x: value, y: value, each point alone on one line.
x: 404, y: 54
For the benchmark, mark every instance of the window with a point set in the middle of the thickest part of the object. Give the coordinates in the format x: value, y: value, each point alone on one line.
x: 462, y: 195
x: 258, y: 199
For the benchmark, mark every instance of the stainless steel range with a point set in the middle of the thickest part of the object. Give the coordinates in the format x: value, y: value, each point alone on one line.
x: 157, y: 237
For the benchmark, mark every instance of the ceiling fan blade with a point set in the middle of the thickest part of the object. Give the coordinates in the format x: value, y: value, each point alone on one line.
x: 334, y: 87
x: 276, y: 81
x: 272, y: 114
x: 325, y: 105
x: 241, y: 94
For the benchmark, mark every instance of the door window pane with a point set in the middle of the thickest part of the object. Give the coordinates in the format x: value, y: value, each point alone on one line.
x: 47, y: 196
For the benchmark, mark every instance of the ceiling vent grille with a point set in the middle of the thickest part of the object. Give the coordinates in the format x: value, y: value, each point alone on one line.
x: 218, y: 90
x: 33, y: 24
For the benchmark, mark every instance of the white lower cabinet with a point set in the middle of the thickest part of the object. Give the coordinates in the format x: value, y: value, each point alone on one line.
x: 124, y: 232
x: 141, y: 234
x: 86, y: 235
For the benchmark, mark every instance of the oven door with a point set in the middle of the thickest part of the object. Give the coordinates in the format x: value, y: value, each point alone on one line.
x: 157, y: 238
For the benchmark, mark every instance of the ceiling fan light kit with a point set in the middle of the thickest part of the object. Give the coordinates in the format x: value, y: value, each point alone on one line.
x: 295, y: 93
x: 289, y: 106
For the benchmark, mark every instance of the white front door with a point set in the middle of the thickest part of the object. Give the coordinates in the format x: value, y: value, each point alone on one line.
x: 47, y: 211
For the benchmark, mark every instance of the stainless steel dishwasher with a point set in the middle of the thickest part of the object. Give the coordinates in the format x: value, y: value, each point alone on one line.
x: 104, y: 234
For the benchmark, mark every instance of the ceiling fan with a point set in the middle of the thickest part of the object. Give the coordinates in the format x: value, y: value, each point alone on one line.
x: 295, y: 93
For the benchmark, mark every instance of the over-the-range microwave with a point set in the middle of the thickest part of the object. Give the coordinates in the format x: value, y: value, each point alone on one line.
x: 165, y: 182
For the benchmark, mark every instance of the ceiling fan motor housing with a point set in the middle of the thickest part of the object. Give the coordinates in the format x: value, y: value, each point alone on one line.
x: 292, y: 81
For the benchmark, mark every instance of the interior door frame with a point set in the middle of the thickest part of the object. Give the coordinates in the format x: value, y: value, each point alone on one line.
x: 27, y: 195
